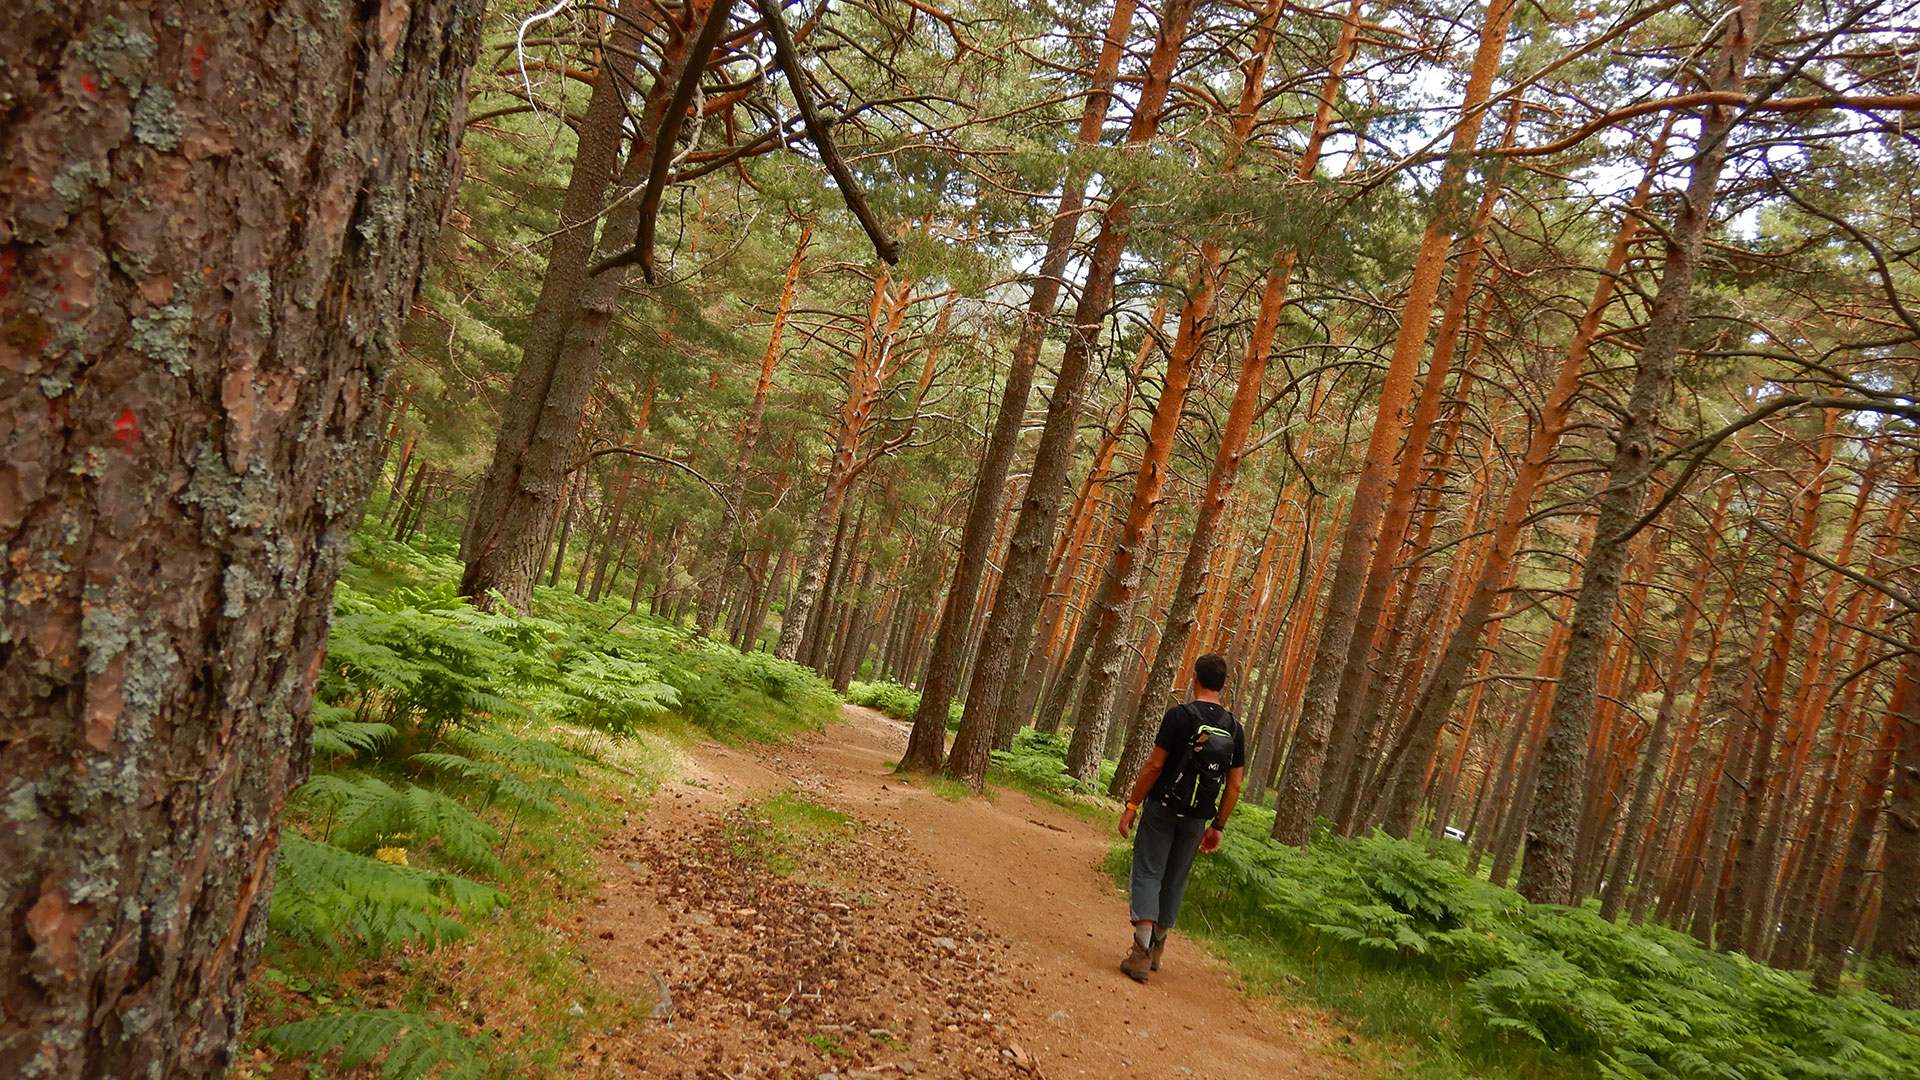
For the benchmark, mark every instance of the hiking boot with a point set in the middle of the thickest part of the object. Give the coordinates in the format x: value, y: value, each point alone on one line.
x: 1137, y: 963
x: 1153, y: 954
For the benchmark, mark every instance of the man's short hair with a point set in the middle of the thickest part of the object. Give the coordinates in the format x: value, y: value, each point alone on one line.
x: 1210, y: 671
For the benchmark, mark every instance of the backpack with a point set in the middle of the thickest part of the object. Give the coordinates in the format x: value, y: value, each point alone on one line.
x: 1202, y: 773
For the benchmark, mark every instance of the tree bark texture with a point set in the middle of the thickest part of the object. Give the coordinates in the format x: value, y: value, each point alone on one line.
x: 1547, y: 874
x: 953, y: 638
x: 1016, y: 608
x: 1301, y: 779
x: 213, y: 221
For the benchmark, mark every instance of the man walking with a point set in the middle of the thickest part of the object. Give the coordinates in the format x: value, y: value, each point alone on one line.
x: 1188, y: 787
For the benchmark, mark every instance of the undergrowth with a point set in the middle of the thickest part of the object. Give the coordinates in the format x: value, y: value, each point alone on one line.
x: 1479, y: 982
x: 899, y: 702
x: 466, y: 764
x: 1037, y: 765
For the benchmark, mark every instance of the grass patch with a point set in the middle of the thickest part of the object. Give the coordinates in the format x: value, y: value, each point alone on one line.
x: 827, y: 1044
x: 953, y: 790
x: 787, y: 833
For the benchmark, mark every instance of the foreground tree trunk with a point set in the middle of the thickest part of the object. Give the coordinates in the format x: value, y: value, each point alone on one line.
x: 1547, y: 874
x: 185, y: 454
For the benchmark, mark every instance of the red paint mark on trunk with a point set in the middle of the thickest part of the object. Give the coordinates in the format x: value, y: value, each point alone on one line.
x: 127, y: 428
x: 87, y: 84
x: 199, y: 63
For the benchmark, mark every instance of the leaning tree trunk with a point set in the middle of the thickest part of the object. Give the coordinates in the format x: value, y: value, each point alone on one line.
x: 1753, y: 865
x: 1016, y: 605
x: 1613, y: 889
x: 1114, y: 604
x: 730, y: 523
x: 1547, y: 874
x: 1897, y: 937
x: 1442, y: 686
x: 1177, y: 627
x: 186, y: 451
x: 875, y: 362
x: 952, y: 639
x: 1300, y: 782
x: 561, y: 360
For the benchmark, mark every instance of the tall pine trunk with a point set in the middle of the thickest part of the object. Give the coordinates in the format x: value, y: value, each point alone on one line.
x: 730, y: 522
x: 545, y: 405
x: 1547, y: 874
x: 186, y: 454
x: 1016, y: 606
x: 954, y: 639
x: 1115, y: 601
x: 1171, y: 650
x: 1300, y: 783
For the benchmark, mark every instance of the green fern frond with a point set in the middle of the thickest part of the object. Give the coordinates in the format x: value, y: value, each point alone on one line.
x: 324, y: 895
x: 407, y: 1045
x: 373, y: 814
x: 337, y: 732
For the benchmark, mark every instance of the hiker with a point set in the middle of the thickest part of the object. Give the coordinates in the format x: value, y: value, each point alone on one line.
x: 1188, y: 787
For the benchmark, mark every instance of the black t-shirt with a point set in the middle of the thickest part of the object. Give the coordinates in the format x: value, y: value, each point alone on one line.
x: 1176, y: 735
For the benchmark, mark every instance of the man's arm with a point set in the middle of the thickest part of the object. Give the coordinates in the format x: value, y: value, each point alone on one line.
x: 1149, y: 773
x: 1210, y: 842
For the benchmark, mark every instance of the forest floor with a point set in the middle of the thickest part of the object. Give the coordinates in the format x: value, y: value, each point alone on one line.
x: 808, y: 913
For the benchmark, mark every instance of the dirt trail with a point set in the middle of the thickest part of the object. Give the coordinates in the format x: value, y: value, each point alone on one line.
x: 966, y: 939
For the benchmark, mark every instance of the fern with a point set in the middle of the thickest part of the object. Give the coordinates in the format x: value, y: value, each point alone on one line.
x: 899, y: 702
x: 324, y: 895
x: 1638, y: 1003
x: 407, y: 1045
x: 506, y: 769
x: 1039, y: 760
x: 337, y: 734
x: 598, y: 685
x: 368, y: 813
